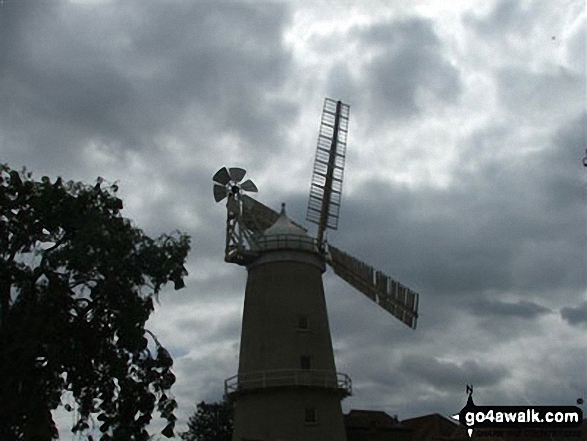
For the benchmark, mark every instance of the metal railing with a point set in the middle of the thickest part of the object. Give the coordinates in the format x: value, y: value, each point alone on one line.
x: 285, y: 241
x: 289, y: 377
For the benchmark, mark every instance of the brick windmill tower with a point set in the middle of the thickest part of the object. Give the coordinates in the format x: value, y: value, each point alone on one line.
x: 287, y: 386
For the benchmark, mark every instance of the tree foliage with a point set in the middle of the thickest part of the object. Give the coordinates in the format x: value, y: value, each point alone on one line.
x: 211, y: 422
x: 77, y: 282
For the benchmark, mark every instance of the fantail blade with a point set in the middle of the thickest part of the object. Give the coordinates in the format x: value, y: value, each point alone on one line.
x: 220, y: 192
x: 237, y: 174
x: 248, y: 185
x: 222, y: 176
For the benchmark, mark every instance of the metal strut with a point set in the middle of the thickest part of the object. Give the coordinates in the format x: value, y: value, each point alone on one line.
x: 329, y: 174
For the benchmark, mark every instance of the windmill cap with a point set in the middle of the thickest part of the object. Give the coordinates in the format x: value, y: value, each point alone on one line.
x: 284, y: 226
x: 284, y: 241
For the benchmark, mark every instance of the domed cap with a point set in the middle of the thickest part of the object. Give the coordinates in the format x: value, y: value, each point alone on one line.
x: 284, y: 241
x: 284, y: 226
x: 285, y: 235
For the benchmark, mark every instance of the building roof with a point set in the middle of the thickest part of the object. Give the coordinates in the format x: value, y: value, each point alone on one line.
x: 374, y: 425
x: 371, y: 425
x: 369, y: 418
x: 434, y: 427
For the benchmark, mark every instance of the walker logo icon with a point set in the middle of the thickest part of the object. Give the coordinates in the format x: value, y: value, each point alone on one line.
x: 517, y: 417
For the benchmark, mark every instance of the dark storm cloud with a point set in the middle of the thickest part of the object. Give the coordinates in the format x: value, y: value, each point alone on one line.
x: 225, y: 329
x: 446, y: 375
x: 59, y: 87
x: 523, y: 308
x: 511, y: 224
x: 575, y: 316
x: 223, y: 59
x: 561, y: 169
x: 439, y: 240
x: 122, y: 74
x: 564, y: 378
x: 407, y: 69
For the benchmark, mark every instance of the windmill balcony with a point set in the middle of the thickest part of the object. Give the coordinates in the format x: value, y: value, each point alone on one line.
x: 286, y: 241
x: 278, y: 378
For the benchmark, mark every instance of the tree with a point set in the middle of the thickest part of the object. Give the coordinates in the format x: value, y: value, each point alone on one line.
x: 211, y: 422
x: 77, y: 282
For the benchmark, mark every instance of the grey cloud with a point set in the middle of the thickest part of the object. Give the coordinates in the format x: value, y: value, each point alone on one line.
x: 124, y: 74
x: 202, y: 378
x: 223, y: 60
x: 408, y: 70
x: 508, y: 16
x: 522, y: 308
x: 567, y: 368
x: 445, y: 375
x: 437, y: 239
x: 576, y: 315
x: 540, y: 94
x: 559, y: 166
x: 508, y: 224
x: 577, y: 47
x: 341, y: 83
x: 219, y: 330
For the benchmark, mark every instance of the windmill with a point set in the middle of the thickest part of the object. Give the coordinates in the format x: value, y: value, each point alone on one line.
x: 287, y: 386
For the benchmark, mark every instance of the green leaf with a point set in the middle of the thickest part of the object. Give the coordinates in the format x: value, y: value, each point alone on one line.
x: 168, y: 431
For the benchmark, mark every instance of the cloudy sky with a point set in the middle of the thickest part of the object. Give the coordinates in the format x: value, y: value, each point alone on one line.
x: 464, y: 176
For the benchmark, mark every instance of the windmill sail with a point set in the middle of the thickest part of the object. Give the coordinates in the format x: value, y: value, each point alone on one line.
x: 326, y: 187
x: 397, y: 299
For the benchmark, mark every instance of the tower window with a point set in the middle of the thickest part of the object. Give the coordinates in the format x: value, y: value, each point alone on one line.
x: 305, y: 362
x: 311, y: 416
x: 303, y: 322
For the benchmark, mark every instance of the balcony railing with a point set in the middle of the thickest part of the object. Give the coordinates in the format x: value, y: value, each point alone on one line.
x: 285, y: 241
x: 287, y: 378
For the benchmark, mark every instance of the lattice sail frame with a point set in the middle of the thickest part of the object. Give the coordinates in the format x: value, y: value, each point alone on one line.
x: 326, y: 186
x: 399, y: 300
